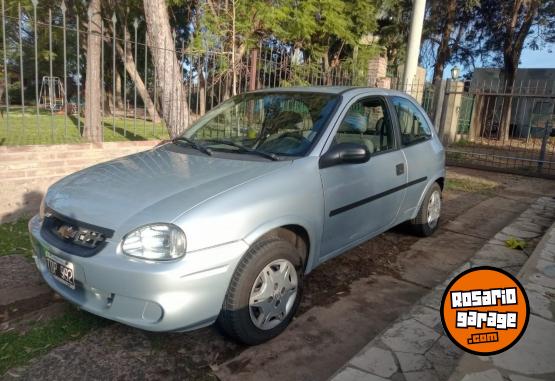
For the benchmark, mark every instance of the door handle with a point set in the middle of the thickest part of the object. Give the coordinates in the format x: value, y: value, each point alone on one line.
x: 400, y: 169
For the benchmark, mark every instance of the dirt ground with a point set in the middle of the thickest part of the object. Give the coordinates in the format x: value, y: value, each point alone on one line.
x: 347, y: 301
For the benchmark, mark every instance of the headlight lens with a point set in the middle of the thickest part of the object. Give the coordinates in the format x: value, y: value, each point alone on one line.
x: 158, y: 242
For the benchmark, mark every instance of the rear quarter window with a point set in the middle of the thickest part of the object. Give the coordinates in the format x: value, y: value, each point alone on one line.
x: 412, y: 123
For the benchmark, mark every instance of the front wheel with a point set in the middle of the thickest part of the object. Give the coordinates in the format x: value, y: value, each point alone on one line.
x: 427, y: 219
x: 264, y: 293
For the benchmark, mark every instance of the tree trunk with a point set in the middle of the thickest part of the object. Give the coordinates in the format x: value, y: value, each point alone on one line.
x: 119, y: 101
x: 253, y: 70
x: 513, y: 44
x: 233, y: 63
x: 175, y: 110
x: 93, y: 124
x: 444, y: 50
x: 202, y: 93
x: 136, y: 78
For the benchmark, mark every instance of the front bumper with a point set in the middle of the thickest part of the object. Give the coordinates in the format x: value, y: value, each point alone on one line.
x: 155, y: 296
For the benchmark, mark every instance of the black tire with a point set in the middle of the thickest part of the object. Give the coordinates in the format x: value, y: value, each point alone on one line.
x: 420, y: 224
x: 235, y: 319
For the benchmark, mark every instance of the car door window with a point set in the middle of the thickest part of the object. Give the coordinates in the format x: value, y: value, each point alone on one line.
x: 367, y: 122
x: 413, y: 125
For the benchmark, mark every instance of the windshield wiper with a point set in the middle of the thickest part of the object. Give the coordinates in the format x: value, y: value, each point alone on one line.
x: 192, y: 143
x: 242, y: 148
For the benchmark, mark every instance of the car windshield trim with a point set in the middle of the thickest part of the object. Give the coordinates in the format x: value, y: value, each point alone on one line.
x: 192, y: 143
x: 243, y: 149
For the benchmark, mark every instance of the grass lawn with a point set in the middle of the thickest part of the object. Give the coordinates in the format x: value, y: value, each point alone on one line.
x: 468, y: 184
x: 14, y: 238
x: 17, y: 129
x: 16, y: 348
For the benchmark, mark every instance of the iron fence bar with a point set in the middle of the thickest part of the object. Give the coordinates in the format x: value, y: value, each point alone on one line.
x: 6, y: 79
x: 35, y: 37
x: 248, y: 78
x: 124, y: 79
x: 114, y: 20
x: 51, y: 87
x: 155, y: 91
x: 102, y: 89
x: 64, y: 9
x: 88, y: 90
x: 182, y: 104
x: 190, y: 86
x: 21, y: 78
x: 213, y: 78
x: 146, y: 87
x: 78, y: 78
x: 135, y: 26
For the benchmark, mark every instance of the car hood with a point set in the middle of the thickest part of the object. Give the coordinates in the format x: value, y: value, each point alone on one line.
x: 152, y: 186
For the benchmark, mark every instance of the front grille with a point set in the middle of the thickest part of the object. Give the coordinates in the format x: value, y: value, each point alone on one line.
x: 73, y: 236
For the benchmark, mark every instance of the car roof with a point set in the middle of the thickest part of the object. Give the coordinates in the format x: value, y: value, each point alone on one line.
x: 350, y: 90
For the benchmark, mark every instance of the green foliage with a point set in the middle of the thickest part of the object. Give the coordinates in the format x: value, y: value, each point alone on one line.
x: 14, y: 238
x: 515, y: 243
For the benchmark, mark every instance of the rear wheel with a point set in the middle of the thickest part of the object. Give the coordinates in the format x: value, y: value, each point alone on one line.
x: 427, y: 219
x: 264, y: 293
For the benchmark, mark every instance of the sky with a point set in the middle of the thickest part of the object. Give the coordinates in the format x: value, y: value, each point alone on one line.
x: 544, y: 58
x: 539, y: 58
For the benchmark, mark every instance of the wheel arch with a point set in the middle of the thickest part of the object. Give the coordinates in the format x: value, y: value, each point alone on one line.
x: 300, y: 233
x: 440, y: 180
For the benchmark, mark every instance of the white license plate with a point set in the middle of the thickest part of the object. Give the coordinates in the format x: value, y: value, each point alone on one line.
x: 61, y: 270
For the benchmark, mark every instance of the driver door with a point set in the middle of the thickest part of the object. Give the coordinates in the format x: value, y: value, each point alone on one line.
x: 362, y: 199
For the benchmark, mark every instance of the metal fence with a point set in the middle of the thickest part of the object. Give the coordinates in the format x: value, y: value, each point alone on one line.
x: 43, y: 76
x: 503, y: 126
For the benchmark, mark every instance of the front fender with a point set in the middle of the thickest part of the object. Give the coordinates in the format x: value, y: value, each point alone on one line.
x: 314, y: 234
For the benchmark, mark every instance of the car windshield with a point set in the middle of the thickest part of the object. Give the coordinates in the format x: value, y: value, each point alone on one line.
x: 265, y: 124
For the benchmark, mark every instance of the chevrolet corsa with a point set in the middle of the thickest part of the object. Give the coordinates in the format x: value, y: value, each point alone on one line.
x: 222, y: 223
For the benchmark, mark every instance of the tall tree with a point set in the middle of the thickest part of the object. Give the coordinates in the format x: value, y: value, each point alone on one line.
x: 175, y: 109
x: 445, y: 32
x: 93, y: 123
x: 507, y: 29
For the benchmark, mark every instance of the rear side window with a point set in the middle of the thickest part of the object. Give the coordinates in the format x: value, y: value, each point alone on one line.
x: 413, y: 125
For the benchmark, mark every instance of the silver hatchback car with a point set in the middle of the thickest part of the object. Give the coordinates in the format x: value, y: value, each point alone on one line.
x: 222, y: 223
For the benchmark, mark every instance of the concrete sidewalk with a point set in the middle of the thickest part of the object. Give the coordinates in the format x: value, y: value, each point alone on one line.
x: 415, y: 347
x: 533, y: 357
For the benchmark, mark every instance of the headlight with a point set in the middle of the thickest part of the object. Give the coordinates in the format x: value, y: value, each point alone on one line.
x: 158, y: 242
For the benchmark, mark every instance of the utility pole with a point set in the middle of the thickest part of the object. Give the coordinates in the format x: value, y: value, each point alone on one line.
x: 413, y: 49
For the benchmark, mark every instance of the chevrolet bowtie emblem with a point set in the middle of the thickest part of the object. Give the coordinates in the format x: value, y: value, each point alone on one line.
x: 67, y: 232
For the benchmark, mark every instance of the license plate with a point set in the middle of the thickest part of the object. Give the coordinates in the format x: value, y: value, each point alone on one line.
x: 61, y: 270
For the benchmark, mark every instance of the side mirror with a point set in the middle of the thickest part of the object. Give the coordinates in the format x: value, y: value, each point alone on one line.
x: 345, y: 153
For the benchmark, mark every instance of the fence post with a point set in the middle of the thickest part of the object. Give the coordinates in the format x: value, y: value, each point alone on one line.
x: 450, y: 113
x: 543, y: 149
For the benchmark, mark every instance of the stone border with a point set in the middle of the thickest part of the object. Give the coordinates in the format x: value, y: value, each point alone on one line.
x: 415, y: 347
